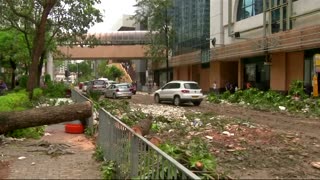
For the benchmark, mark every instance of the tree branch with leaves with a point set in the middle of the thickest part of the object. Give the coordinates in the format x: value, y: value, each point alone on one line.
x: 156, y: 15
x: 44, y: 21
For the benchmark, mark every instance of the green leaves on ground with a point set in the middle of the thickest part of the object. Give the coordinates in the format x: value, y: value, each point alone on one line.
x: 108, y: 170
x: 33, y: 132
x: 296, y: 101
x: 98, y: 154
x: 194, y: 155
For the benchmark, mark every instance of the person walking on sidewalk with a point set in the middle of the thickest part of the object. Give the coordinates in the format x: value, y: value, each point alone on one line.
x: 3, y: 87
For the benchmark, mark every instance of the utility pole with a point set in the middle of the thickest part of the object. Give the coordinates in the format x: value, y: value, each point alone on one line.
x: 265, y: 39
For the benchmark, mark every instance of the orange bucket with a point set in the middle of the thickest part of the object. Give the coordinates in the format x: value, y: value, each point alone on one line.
x: 74, y: 128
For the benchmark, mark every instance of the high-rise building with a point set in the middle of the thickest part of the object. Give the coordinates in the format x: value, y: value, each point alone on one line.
x: 191, y: 23
x: 267, y: 43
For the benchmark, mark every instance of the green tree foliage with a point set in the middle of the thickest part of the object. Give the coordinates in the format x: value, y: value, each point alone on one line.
x: 113, y: 73
x: 110, y: 72
x: 84, y: 69
x: 43, y: 21
x: 13, y: 52
x: 156, y: 15
x: 102, y: 69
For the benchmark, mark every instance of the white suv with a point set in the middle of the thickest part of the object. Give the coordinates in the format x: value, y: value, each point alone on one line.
x: 179, y: 92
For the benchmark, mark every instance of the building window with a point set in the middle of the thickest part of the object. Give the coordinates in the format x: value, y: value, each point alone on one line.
x: 191, y: 22
x: 248, y: 8
x: 278, y: 10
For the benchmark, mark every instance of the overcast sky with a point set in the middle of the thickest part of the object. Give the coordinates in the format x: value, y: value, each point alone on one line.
x: 113, y: 11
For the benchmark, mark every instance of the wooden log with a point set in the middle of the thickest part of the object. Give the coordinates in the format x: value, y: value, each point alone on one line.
x: 156, y: 141
x: 44, y: 116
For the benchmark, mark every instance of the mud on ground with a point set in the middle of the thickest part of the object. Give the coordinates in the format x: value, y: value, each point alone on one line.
x: 273, y: 145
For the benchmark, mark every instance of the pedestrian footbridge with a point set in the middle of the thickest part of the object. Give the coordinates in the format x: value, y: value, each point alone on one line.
x: 111, y: 45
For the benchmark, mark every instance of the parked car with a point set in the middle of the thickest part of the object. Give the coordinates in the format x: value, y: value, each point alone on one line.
x: 85, y: 85
x: 179, y: 92
x: 96, y: 86
x: 133, y: 88
x: 108, y: 82
x: 80, y: 85
x: 105, y: 79
x: 118, y: 90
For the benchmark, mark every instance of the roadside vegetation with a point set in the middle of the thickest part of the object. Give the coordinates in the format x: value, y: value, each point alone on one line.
x: 193, y: 153
x: 216, y: 146
x: 296, y: 101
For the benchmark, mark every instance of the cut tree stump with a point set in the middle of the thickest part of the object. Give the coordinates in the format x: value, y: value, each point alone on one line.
x: 44, y: 116
x: 143, y: 127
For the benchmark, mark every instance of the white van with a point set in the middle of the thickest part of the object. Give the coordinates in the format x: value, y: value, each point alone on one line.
x: 108, y: 82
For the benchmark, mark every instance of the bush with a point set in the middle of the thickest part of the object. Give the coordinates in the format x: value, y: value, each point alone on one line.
x: 214, y: 98
x: 55, y: 90
x: 94, y: 95
x: 108, y: 169
x: 37, y: 93
x: 14, y: 101
x: 98, y: 154
x: 23, y: 81
x: 225, y: 95
x: 47, y: 79
x: 297, y: 89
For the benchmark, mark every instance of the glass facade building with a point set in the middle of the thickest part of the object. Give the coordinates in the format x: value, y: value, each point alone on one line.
x: 191, y: 23
x: 248, y: 8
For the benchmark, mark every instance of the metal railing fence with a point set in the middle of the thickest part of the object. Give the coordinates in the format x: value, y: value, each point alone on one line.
x: 136, y: 157
x: 78, y: 97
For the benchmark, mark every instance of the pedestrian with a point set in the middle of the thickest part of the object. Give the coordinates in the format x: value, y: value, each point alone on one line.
x: 231, y: 89
x: 214, y: 87
x: 150, y: 87
x: 248, y: 85
x: 3, y: 87
x: 228, y: 86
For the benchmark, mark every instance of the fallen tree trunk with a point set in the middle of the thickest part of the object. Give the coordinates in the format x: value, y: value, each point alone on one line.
x: 44, y: 116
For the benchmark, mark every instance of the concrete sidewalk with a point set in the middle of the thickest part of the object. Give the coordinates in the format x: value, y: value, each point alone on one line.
x: 37, y: 164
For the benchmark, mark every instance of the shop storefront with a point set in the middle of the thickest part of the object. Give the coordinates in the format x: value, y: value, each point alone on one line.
x: 256, y: 73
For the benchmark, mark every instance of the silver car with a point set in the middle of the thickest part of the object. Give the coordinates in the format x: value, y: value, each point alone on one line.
x: 118, y: 90
x: 179, y: 92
